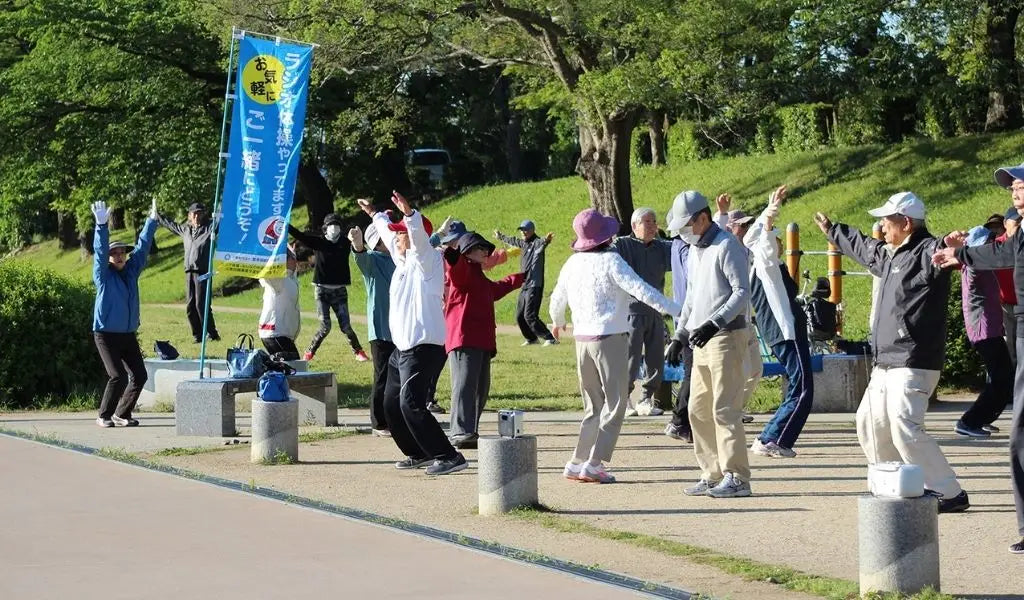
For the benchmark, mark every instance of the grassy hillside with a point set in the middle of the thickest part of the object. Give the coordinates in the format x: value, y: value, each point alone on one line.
x: 953, y: 177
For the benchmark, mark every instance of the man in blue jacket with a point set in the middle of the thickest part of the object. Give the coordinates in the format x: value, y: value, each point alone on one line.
x: 116, y: 269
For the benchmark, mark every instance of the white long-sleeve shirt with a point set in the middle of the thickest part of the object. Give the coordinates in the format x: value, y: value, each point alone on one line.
x: 598, y: 288
x: 718, y: 283
x: 280, y: 315
x: 763, y: 245
x: 417, y: 287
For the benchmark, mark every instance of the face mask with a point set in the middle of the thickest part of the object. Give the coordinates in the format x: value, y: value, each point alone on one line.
x: 687, y: 235
x: 333, y: 232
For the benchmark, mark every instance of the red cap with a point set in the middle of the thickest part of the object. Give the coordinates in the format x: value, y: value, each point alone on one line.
x: 400, y: 226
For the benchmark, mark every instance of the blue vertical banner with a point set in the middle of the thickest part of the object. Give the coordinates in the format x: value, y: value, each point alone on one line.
x: 267, y: 124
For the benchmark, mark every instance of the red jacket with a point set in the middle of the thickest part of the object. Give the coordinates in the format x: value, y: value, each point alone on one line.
x: 1007, y: 293
x: 469, y: 304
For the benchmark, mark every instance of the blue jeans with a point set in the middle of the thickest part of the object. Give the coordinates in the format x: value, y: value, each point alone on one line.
x: 788, y: 422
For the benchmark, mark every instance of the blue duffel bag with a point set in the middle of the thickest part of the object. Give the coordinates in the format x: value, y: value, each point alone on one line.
x: 273, y: 387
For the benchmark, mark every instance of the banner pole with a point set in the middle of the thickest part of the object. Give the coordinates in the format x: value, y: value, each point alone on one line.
x: 228, y: 97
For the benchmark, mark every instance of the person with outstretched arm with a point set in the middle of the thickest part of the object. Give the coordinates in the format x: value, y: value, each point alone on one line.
x: 532, y: 294
x: 418, y: 332
x: 908, y: 339
x: 373, y: 260
x: 115, y: 272
x: 1009, y: 254
x: 783, y: 326
x: 196, y: 235
x: 331, y: 277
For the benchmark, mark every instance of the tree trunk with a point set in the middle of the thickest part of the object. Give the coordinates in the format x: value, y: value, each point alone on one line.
x: 1004, y: 110
x: 67, y: 231
x: 85, y: 239
x: 656, y: 124
x: 604, y: 164
x: 317, y: 194
x: 513, y: 123
x: 116, y: 220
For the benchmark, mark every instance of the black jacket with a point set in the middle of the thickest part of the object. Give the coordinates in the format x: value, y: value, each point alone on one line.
x: 1001, y: 255
x: 331, y: 257
x: 196, y: 241
x: 910, y: 320
x: 532, y: 260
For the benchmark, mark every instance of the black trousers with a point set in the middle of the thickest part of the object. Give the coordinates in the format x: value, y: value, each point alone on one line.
x: 381, y: 352
x: 998, y: 388
x: 1017, y: 431
x: 281, y: 347
x: 195, y: 300
x: 410, y: 373
x: 126, y: 372
x: 528, y: 314
x: 680, y: 414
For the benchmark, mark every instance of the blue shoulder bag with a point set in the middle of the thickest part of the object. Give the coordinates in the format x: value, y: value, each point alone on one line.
x: 273, y: 387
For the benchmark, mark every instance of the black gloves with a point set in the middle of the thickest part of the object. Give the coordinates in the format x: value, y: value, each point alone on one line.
x: 674, y: 353
x: 703, y: 334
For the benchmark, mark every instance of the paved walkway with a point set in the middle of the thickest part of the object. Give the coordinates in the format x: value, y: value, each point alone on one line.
x: 76, y: 526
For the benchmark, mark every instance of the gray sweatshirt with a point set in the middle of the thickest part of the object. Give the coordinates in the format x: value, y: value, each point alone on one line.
x: 196, y: 241
x: 650, y: 261
x: 718, y: 283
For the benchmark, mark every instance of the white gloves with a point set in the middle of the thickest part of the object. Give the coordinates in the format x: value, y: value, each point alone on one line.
x: 445, y: 226
x: 153, y: 214
x: 355, y: 236
x: 100, y: 211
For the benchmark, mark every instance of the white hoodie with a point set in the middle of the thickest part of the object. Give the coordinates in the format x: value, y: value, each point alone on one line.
x: 280, y: 316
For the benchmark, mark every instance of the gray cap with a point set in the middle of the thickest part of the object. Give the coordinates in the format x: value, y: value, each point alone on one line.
x: 685, y: 205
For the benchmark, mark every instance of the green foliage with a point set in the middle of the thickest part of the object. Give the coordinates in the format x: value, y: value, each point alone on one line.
x: 860, y: 120
x: 45, y: 322
x: 963, y: 368
x: 684, y: 144
x: 802, y: 127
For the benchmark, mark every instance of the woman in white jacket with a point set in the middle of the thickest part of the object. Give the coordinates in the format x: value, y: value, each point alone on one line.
x: 597, y: 285
x: 280, y: 321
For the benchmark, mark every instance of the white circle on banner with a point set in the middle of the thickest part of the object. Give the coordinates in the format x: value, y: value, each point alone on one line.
x: 270, y: 232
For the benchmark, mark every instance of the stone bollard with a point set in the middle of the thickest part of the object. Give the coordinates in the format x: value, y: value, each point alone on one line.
x: 506, y: 473
x: 899, y: 544
x: 275, y: 430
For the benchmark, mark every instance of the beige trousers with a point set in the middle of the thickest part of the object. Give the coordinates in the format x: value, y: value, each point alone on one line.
x: 603, y: 370
x: 716, y: 405
x: 890, y: 425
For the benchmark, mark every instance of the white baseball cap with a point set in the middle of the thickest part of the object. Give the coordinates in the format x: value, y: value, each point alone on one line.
x: 903, y: 203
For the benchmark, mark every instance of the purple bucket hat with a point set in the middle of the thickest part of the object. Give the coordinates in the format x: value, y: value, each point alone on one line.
x: 592, y: 229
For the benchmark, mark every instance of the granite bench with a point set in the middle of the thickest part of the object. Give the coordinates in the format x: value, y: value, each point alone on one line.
x: 165, y: 375
x: 206, y: 407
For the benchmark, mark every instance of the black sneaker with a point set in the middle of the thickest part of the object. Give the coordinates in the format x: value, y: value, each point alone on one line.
x: 747, y: 418
x: 214, y: 336
x: 962, y: 429
x: 1017, y: 548
x: 678, y: 433
x: 435, y: 408
x: 448, y: 465
x: 412, y: 462
x: 465, y: 441
x: 958, y: 503
x: 990, y: 428
x: 197, y: 340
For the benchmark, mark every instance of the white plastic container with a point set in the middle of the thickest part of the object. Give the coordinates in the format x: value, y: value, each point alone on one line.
x: 895, y: 480
x: 510, y: 423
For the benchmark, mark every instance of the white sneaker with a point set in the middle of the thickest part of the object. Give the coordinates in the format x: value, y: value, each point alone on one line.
x: 630, y: 409
x: 598, y: 474
x: 731, y: 486
x: 528, y: 343
x: 700, y: 489
x: 759, y: 448
x: 572, y: 470
x: 646, y: 408
x: 550, y: 342
x: 777, y: 451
